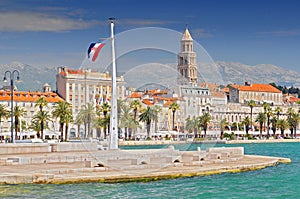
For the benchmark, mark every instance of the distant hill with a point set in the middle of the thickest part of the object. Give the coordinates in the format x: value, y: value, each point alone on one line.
x: 234, y: 72
x: 33, y: 77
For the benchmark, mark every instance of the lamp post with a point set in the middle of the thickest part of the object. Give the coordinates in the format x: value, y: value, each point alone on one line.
x: 11, y: 75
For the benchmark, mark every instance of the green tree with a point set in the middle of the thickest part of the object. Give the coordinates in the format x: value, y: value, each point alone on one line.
x: 127, y: 120
x: 265, y: 106
x: 68, y: 119
x: 105, y: 109
x: 247, y: 122
x: 174, y: 107
x: 41, y: 117
x: 223, y: 124
x: 261, y: 119
x: 135, y: 105
x: 18, y: 113
x: 157, y: 109
x: 278, y: 110
x: 290, y: 120
x: 295, y: 119
x: 203, y: 121
x: 63, y: 111
x: 282, y: 125
x: 191, y: 125
x: 41, y: 103
x: 4, y: 114
x: 269, y: 114
x: 148, y: 115
x: 251, y: 104
x: 35, y: 126
x: 274, y: 121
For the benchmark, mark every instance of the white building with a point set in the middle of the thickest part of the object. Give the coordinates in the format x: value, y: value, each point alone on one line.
x: 80, y: 87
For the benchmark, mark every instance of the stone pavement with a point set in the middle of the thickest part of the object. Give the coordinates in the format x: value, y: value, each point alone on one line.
x: 68, y: 166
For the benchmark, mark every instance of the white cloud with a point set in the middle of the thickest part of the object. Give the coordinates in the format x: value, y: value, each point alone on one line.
x: 27, y: 21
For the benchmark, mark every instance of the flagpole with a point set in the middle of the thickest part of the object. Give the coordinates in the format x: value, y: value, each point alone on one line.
x: 113, y: 138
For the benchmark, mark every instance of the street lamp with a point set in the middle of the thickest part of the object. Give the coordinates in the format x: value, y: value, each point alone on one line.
x: 11, y: 75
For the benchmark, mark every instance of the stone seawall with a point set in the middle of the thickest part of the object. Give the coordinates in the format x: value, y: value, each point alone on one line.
x: 67, y: 166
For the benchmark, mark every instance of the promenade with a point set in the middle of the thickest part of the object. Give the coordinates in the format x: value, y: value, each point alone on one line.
x: 61, y: 164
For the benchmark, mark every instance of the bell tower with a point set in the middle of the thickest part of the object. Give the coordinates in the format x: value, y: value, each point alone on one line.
x: 187, y: 65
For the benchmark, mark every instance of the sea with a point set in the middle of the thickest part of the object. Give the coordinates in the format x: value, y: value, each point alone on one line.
x: 281, y: 181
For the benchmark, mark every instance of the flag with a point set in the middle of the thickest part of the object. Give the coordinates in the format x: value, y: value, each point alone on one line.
x: 94, y: 50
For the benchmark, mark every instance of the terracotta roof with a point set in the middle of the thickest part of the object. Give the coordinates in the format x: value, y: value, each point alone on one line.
x: 71, y: 71
x: 168, y: 103
x: 157, y: 92
x: 257, y: 88
x: 147, y: 102
x: 25, y: 96
x: 226, y: 90
x: 293, y: 99
x: 135, y: 95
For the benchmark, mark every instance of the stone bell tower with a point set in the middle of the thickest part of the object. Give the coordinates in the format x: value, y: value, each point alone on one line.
x: 187, y: 64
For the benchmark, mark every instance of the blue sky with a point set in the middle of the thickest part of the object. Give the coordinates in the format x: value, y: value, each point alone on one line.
x: 55, y: 33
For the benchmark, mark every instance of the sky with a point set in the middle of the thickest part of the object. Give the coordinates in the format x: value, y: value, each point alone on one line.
x: 55, y: 33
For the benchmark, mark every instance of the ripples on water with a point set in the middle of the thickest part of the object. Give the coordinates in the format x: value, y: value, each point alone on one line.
x: 282, y: 181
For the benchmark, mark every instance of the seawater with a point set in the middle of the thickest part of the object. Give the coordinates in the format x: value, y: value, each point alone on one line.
x: 282, y: 181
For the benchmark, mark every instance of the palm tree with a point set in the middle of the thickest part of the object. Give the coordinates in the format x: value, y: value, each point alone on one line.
x: 41, y: 117
x: 282, y: 125
x: 223, y: 125
x: 296, y: 119
x: 251, y: 104
x: 261, y: 119
x: 126, y: 120
x: 4, y: 114
x: 18, y: 112
x: 203, y: 121
x: 174, y: 107
x: 290, y: 120
x: 274, y: 122
x: 68, y: 119
x: 278, y: 110
x: 135, y: 105
x: 105, y: 108
x: 41, y: 103
x: 266, y: 106
x: 269, y: 113
x: 247, y: 123
x: 148, y: 115
x: 88, y: 114
x: 191, y: 125
x: 63, y: 111
x: 35, y: 126
x: 157, y: 109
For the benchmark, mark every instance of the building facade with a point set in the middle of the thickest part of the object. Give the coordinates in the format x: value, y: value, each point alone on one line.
x: 26, y: 100
x: 80, y: 87
x: 187, y: 62
x: 260, y: 93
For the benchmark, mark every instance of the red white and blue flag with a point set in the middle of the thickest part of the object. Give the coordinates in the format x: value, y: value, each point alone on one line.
x: 94, y: 51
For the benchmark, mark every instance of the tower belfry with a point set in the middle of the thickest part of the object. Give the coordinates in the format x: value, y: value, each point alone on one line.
x: 187, y: 64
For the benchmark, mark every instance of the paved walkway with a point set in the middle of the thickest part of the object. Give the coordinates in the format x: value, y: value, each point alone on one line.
x: 77, y: 172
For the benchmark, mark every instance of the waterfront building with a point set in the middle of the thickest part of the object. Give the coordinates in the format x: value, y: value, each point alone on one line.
x: 80, y: 87
x: 27, y: 101
x: 260, y: 93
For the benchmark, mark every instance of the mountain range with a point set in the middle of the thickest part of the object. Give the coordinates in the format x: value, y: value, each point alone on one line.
x: 33, y: 77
